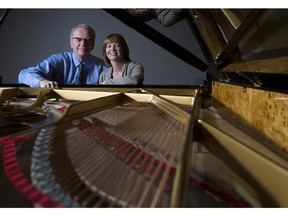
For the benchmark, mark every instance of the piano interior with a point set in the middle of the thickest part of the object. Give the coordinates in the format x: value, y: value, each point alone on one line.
x: 220, y: 144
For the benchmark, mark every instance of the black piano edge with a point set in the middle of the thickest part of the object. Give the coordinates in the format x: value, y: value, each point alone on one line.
x: 110, y: 86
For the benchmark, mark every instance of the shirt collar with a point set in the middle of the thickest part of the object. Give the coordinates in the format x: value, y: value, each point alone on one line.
x: 77, y: 61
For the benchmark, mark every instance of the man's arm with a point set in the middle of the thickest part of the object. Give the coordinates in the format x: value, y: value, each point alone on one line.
x: 38, y: 76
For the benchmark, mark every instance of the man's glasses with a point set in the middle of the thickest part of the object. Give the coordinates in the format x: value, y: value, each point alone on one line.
x: 78, y: 39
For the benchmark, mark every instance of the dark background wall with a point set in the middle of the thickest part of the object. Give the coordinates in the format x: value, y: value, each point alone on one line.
x: 28, y: 36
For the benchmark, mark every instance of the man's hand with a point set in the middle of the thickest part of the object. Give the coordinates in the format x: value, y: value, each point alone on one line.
x: 48, y: 84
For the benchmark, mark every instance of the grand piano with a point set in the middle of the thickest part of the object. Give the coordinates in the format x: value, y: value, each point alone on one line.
x: 220, y: 144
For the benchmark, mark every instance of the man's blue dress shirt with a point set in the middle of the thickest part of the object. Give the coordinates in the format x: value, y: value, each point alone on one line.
x: 62, y: 68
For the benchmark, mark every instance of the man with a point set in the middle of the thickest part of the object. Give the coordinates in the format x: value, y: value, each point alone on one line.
x: 68, y: 68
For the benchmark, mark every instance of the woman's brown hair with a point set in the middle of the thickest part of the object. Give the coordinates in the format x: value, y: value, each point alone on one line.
x: 115, y: 38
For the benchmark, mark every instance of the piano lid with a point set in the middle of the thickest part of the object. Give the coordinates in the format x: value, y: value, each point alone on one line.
x: 244, y: 46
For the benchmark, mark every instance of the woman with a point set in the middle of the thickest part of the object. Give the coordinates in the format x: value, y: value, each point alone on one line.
x: 122, y: 70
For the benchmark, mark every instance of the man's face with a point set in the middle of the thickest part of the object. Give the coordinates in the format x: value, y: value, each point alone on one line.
x: 81, y: 43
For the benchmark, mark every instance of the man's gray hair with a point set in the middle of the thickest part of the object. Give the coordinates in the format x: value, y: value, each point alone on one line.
x: 90, y: 30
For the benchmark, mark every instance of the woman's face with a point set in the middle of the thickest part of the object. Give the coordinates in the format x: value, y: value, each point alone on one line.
x: 114, y: 52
